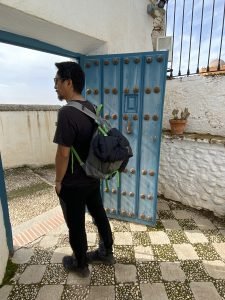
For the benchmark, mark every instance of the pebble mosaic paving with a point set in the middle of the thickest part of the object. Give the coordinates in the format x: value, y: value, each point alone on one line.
x: 182, y: 257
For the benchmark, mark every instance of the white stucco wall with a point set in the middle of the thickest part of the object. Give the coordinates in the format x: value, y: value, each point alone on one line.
x: 124, y: 25
x: 193, y: 172
x: 26, y: 135
x: 4, y: 252
x: 205, y: 99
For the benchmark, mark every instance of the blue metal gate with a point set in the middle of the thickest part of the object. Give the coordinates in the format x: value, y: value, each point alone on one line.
x: 131, y: 88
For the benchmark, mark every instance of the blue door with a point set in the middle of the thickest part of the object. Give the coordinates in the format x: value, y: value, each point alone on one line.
x: 131, y: 88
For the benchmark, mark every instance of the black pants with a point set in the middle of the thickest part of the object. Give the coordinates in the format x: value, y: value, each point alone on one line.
x: 73, y: 202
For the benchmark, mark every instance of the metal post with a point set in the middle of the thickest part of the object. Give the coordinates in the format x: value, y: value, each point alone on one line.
x: 200, y: 37
x: 3, y: 199
x: 221, y: 42
x: 211, y: 35
x: 181, y: 39
x: 189, y: 56
x: 174, y: 22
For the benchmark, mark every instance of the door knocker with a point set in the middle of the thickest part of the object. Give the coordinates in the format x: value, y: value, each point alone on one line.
x: 129, y: 127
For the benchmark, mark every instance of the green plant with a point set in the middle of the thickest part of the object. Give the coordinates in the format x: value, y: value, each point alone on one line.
x: 183, y: 115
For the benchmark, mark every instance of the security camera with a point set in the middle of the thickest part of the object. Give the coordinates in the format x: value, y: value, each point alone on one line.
x: 161, y: 3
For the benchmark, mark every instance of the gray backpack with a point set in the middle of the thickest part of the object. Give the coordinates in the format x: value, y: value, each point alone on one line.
x: 109, y: 150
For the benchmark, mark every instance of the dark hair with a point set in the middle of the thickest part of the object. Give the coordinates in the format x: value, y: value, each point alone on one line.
x: 72, y: 70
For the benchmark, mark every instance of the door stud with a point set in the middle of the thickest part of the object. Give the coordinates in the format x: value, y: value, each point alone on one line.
x: 106, y: 116
x: 156, y: 89
x: 115, y: 61
x: 155, y: 117
x: 114, y: 116
x: 137, y: 60
x: 87, y: 65
x: 114, y: 91
x: 146, y: 117
x: 135, y: 89
x: 159, y: 59
x: 132, y: 170
x: 147, y: 90
x: 149, y: 60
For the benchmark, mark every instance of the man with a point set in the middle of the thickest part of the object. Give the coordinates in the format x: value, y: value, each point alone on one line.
x: 74, y: 188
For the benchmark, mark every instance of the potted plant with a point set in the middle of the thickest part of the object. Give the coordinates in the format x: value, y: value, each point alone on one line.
x: 178, y: 124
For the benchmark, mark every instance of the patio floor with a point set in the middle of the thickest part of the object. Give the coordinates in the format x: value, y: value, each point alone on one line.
x: 183, y: 257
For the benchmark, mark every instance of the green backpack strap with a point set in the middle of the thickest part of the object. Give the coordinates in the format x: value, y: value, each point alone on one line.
x: 107, y: 184
x: 102, y: 131
x: 74, y: 152
x: 98, y: 109
x: 118, y: 179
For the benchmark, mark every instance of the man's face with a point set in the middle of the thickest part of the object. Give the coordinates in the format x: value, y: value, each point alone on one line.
x: 60, y: 87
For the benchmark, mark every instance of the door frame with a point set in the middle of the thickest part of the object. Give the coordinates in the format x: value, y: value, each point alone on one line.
x: 34, y: 44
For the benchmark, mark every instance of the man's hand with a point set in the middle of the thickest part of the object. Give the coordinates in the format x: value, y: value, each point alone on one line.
x: 61, y: 164
x: 58, y: 187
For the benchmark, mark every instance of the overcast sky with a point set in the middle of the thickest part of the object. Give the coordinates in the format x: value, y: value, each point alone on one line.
x: 26, y: 76
x: 206, y: 31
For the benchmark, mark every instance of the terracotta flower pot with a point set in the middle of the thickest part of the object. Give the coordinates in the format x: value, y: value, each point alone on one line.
x: 177, y: 126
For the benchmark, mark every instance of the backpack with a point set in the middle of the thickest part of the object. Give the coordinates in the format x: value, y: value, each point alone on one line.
x: 109, y: 150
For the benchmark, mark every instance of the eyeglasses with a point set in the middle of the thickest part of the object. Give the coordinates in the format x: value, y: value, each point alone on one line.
x: 56, y: 79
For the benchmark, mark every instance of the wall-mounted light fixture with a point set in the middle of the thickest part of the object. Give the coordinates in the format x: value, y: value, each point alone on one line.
x: 152, y: 8
x: 161, y: 3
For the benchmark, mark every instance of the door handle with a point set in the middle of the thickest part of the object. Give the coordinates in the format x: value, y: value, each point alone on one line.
x: 129, y: 127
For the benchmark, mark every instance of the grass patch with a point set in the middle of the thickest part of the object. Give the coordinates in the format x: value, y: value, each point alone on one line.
x: 24, y: 191
x: 45, y: 167
x: 10, y: 271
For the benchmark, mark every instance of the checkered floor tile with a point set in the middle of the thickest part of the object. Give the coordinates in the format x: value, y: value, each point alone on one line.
x: 182, y: 257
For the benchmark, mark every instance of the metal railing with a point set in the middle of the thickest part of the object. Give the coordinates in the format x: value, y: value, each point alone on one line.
x: 197, y: 29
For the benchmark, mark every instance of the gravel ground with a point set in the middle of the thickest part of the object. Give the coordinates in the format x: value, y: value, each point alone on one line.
x: 30, y: 192
x: 20, y: 178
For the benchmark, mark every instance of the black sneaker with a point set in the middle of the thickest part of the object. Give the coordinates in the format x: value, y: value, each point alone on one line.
x: 97, y: 257
x: 70, y: 264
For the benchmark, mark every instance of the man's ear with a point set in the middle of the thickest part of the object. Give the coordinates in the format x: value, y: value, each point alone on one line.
x: 69, y: 83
